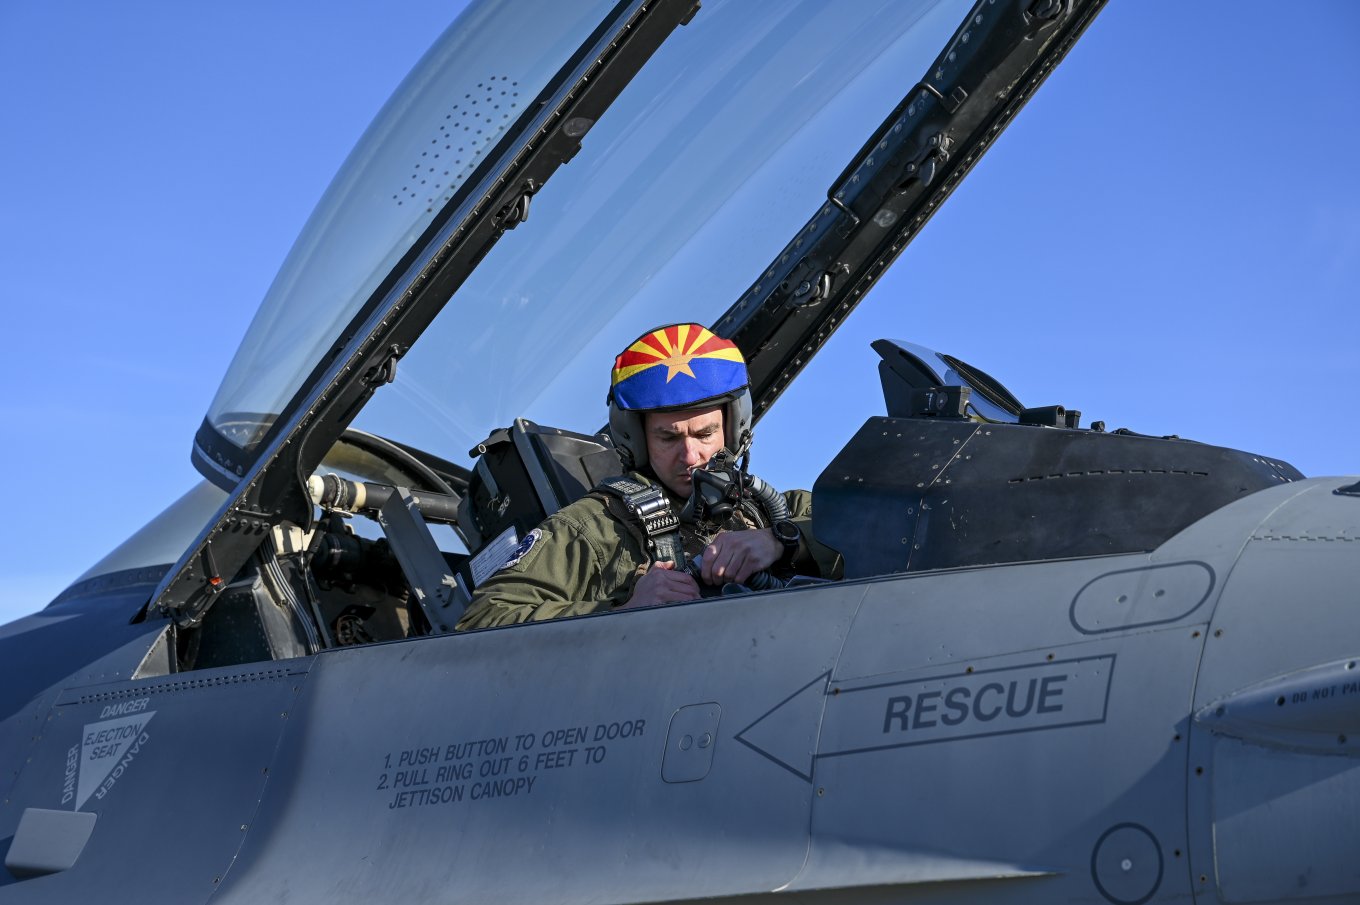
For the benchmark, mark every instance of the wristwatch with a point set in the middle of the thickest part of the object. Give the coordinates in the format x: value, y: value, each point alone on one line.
x: 787, y: 533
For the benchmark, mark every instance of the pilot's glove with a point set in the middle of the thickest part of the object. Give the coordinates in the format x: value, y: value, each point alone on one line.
x: 734, y: 556
x: 662, y: 583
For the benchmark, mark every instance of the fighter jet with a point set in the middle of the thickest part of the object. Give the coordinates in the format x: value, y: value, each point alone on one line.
x: 1065, y: 663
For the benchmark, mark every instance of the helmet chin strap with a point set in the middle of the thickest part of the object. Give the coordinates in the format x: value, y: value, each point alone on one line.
x: 742, y: 450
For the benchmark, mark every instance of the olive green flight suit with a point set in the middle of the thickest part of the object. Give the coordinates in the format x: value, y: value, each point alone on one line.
x: 583, y: 559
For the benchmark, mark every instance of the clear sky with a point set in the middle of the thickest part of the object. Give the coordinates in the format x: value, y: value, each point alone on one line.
x: 1168, y: 238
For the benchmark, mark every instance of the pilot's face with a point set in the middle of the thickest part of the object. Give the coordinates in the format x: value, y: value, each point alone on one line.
x: 679, y: 442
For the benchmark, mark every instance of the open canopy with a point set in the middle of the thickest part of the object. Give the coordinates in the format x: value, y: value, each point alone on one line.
x: 750, y: 166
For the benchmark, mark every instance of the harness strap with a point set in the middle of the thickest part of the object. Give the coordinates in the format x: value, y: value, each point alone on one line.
x: 648, y: 514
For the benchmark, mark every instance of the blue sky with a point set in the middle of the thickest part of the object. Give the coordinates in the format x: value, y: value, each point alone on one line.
x: 1168, y: 238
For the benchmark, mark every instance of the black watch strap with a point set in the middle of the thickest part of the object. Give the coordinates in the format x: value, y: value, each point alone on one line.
x: 787, y: 533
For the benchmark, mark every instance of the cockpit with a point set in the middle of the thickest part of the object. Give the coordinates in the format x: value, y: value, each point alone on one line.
x: 957, y: 474
x: 526, y: 202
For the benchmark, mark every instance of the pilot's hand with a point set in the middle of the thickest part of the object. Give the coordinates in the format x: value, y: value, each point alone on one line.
x: 661, y: 583
x: 737, y: 555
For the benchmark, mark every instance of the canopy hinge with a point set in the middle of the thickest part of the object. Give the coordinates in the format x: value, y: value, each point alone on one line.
x: 517, y: 210
x: 385, y: 371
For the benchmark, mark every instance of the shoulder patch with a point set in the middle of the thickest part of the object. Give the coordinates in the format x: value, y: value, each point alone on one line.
x: 525, y: 545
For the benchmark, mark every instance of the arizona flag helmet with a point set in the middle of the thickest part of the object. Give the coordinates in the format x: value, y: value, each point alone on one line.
x: 672, y: 368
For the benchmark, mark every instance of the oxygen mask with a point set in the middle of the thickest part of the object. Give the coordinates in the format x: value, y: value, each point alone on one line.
x: 716, y: 494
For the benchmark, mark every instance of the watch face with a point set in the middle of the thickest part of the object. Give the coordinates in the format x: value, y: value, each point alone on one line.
x: 787, y: 532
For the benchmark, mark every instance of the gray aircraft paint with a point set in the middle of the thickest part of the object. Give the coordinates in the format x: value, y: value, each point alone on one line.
x: 578, y: 729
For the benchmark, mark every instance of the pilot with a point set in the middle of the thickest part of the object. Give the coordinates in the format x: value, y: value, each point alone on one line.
x: 678, y: 397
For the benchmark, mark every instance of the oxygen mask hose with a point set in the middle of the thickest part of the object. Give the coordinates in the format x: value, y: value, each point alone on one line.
x: 721, y: 490
x: 760, y: 581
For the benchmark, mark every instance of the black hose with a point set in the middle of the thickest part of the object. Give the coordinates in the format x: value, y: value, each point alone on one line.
x: 771, y: 500
x: 334, y: 493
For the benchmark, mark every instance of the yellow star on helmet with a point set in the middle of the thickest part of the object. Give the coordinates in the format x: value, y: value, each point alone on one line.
x: 677, y: 363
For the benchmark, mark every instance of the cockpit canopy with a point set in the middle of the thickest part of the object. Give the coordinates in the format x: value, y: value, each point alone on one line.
x: 709, y: 160
x: 522, y: 208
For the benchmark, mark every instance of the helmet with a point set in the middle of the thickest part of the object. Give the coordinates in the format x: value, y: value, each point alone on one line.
x: 674, y: 368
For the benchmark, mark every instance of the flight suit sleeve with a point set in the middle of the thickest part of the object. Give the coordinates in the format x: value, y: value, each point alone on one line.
x: 562, y: 568
x: 813, y: 557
